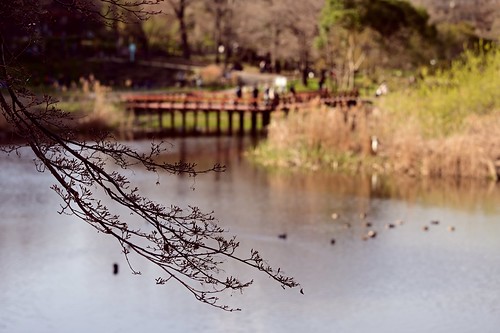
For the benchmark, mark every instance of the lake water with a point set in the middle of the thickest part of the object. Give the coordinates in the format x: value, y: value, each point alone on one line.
x: 56, y: 273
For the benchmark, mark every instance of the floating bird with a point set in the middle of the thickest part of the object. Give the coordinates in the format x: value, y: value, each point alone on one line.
x: 335, y: 216
x: 362, y: 216
x: 332, y: 241
x: 435, y: 222
x: 425, y: 228
x: 369, y: 234
x: 389, y: 226
x: 368, y: 224
x: 282, y: 236
x: 451, y: 228
x: 399, y: 222
x: 347, y: 225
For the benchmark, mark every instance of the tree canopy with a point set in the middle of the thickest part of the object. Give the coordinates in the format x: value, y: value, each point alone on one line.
x: 384, y: 16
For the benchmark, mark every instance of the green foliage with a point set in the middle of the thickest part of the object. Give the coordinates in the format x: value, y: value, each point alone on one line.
x: 312, y: 85
x: 304, y: 157
x: 361, y: 37
x: 343, y: 13
x: 454, y: 36
x: 441, y: 102
x: 391, y: 16
x: 160, y: 35
x: 384, y: 16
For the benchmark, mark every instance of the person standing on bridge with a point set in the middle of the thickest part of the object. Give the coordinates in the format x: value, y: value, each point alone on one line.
x: 132, y: 48
x: 239, y: 94
x: 255, y: 95
x: 293, y: 92
x: 239, y: 91
x: 267, y: 96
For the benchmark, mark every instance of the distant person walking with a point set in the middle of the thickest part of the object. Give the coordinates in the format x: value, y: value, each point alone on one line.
x: 267, y: 96
x: 322, y: 80
x: 132, y: 48
x: 293, y: 93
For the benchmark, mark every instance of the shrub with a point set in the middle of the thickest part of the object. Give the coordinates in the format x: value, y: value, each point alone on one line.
x: 440, y: 103
x: 212, y: 75
x: 318, y: 135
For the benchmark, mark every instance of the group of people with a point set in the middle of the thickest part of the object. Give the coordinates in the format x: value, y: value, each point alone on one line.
x: 271, y: 96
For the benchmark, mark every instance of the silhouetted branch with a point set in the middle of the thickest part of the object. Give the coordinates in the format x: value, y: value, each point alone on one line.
x: 186, y: 244
x: 112, y: 10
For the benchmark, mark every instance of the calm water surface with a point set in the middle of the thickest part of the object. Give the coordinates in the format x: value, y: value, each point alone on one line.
x: 56, y: 272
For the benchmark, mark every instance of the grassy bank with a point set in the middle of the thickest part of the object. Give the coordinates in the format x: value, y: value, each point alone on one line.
x: 92, y: 108
x: 445, y: 125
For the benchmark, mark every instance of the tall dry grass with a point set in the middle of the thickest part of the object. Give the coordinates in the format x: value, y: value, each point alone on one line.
x: 318, y: 135
x: 212, y: 75
x: 97, y: 106
x: 473, y: 153
x: 340, y: 139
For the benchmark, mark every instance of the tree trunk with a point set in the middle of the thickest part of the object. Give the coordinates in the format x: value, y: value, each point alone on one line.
x: 180, y: 12
x: 218, y: 33
x: 352, y: 63
x: 186, y: 51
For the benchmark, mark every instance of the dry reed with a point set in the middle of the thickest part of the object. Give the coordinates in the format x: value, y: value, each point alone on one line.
x: 103, y: 113
x: 340, y: 139
x: 472, y: 153
x: 316, y: 135
x: 211, y: 74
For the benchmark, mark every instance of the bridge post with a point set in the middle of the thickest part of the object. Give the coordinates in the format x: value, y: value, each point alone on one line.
x: 241, y: 115
x: 266, y: 118
x: 217, y: 118
x: 172, y: 119
x: 183, y: 114
x: 195, y: 120
x: 160, y: 119
x: 230, y: 123
x: 150, y: 117
x: 207, y: 123
x: 254, y: 122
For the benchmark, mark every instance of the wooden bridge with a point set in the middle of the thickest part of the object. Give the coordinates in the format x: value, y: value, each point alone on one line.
x: 197, y: 113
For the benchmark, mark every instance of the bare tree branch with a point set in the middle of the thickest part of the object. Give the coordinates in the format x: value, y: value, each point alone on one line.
x: 106, y: 9
x: 187, y: 245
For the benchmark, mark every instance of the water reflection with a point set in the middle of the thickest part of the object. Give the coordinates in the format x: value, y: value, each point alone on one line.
x: 464, y: 194
x: 56, y: 273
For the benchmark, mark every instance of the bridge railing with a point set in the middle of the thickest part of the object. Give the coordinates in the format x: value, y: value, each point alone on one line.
x: 212, y: 101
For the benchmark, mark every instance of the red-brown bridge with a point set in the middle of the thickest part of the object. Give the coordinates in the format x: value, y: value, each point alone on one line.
x: 214, y: 113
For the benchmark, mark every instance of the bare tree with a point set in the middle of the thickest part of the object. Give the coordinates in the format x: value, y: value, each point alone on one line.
x: 302, y: 21
x: 259, y: 27
x: 110, y: 10
x: 186, y: 244
x: 179, y: 7
x: 284, y: 29
x: 221, y: 12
